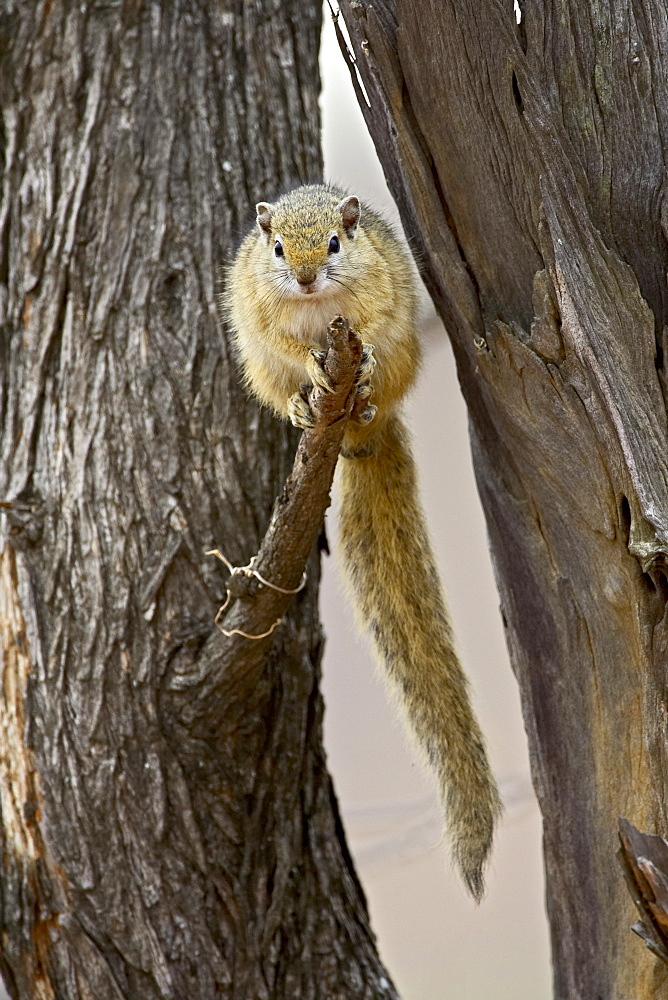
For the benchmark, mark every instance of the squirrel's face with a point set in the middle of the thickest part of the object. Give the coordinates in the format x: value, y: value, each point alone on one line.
x: 308, y: 244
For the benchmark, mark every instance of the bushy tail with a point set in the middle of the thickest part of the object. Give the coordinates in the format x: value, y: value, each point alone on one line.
x: 398, y: 595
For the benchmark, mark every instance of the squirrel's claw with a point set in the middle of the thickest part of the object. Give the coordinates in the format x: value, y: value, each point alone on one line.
x: 299, y: 411
x: 363, y: 412
x: 367, y: 364
x: 364, y: 391
x: 316, y: 370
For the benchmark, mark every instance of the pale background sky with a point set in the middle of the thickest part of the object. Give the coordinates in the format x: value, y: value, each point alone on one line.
x: 436, y: 943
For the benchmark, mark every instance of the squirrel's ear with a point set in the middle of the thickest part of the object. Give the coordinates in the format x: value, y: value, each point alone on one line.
x: 264, y: 210
x: 350, y: 213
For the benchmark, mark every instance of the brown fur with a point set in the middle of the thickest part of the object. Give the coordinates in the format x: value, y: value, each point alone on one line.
x: 385, y: 547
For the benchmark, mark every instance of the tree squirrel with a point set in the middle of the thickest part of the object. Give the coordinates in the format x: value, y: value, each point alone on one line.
x: 317, y: 253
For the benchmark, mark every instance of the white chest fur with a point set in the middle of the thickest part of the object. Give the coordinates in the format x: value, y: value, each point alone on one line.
x: 309, y: 316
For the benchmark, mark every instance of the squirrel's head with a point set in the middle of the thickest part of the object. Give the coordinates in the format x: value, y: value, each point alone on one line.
x: 308, y: 234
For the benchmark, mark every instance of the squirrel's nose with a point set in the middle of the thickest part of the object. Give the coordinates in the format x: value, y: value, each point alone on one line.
x: 305, y: 275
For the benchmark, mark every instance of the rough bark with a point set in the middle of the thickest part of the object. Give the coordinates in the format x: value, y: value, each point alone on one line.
x: 148, y: 850
x: 529, y: 166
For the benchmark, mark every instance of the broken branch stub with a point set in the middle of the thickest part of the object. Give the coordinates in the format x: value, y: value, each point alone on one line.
x: 644, y: 860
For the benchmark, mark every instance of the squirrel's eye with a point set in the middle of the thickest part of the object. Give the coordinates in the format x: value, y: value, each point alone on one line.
x: 278, y: 248
x: 334, y: 245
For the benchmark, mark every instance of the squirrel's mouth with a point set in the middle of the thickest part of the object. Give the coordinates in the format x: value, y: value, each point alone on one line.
x: 315, y: 287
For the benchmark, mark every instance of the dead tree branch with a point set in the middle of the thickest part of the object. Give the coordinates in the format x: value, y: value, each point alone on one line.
x: 236, y: 659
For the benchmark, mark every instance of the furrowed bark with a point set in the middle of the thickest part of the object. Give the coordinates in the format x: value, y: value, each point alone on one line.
x: 528, y: 164
x: 140, y: 858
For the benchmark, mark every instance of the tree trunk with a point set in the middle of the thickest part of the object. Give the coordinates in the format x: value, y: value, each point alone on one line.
x: 156, y: 843
x: 529, y: 164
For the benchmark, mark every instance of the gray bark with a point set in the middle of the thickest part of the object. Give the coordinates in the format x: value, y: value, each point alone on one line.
x: 155, y: 843
x: 529, y: 164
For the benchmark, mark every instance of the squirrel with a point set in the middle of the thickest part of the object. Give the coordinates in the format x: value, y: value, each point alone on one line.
x: 316, y: 253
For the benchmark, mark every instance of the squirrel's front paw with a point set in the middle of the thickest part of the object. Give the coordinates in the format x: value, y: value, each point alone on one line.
x: 315, y: 366
x: 363, y: 411
x: 299, y: 410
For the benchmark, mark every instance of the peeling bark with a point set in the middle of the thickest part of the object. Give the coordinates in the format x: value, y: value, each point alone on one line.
x: 144, y: 857
x: 529, y: 167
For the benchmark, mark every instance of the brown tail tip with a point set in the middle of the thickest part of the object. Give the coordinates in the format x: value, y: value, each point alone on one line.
x: 475, y: 883
x: 471, y: 853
